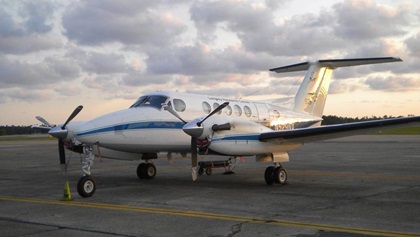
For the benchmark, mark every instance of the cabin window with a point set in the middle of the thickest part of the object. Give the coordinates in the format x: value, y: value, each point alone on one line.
x: 206, y: 107
x: 237, y: 110
x: 154, y: 101
x: 179, y: 105
x: 228, y: 110
x: 247, y: 111
x: 215, y: 105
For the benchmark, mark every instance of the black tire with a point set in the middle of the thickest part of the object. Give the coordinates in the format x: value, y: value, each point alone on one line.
x: 86, y: 186
x: 200, y: 171
x: 149, y: 171
x: 209, y: 171
x: 280, y: 175
x: 140, y: 170
x: 268, y: 175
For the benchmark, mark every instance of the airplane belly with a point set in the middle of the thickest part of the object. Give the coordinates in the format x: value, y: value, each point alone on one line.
x: 250, y: 147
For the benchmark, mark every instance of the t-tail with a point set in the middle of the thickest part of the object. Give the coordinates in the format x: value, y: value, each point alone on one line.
x: 312, y: 94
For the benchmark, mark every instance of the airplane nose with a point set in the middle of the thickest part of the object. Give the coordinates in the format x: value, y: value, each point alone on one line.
x: 86, y: 133
x: 58, y: 132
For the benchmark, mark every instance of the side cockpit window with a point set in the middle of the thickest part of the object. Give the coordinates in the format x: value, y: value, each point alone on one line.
x: 179, y: 105
x: 154, y: 101
x: 139, y: 102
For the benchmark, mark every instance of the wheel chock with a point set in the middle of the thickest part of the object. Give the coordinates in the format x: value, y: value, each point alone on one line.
x: 67, y: 194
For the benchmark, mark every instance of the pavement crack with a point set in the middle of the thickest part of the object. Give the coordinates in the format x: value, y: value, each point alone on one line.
x: 235, y: 229
x: 61, y: 227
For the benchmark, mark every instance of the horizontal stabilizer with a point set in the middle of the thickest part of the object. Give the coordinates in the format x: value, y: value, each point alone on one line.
x: 335, y: 63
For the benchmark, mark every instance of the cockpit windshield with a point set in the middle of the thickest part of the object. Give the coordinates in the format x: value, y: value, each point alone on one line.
x: 155, y: 101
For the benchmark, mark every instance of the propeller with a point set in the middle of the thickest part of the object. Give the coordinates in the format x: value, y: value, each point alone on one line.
x: 220, y: 107
x: 172, y: 111
x: 60, y: 132
x: 45, y: 122
x: 195, y: 130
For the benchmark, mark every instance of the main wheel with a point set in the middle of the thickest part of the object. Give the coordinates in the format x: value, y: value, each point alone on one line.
x: 280, y: 175
x: 149, y: 171
x: 209, y: 171
x: 86, y: 186
x: 140, y: 170
x: 268, y: 175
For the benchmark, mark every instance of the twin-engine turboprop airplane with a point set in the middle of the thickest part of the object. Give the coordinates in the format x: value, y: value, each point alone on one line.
x: 173, y: 122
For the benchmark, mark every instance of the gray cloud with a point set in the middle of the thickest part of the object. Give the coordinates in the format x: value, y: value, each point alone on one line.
x: 35, y: 75
x: 200, y: 59
x: 366, y: 20
x: 131, y: 22
x: 99, y: 63
x: 21, y: 94
x: 24, y: 27
x: 139, y: 79
x: 93, y: 43
x: 37, y: 15
x: 393, y: 83
x: 30, y: 17
x: 28, y: 44
x: 413, y: 45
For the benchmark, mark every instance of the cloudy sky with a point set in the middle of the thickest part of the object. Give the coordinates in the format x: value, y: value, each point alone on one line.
x: 103, y: 54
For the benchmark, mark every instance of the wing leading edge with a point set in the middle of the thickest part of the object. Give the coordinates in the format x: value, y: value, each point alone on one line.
x: 335, y: 131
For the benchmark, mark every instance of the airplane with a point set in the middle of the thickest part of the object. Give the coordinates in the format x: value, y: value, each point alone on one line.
x: 175, y: 122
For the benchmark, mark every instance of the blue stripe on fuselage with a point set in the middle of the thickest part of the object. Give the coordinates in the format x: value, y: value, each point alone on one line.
x: 134, y: 126
x: 255, y: 137
x: 245, y: 137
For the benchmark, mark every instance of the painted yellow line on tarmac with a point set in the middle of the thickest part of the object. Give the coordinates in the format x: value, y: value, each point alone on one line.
x: 216, y: 216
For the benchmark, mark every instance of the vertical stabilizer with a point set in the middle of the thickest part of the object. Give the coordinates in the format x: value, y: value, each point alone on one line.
x: 312, y: 94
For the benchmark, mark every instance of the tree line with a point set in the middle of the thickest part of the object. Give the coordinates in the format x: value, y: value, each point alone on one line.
x: 327, y: 120
x: 332, y: 119
x: 19, y: 130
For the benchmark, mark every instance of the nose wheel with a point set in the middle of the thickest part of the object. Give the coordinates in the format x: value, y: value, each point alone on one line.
x: 86, y: 186
x: 276, y: 175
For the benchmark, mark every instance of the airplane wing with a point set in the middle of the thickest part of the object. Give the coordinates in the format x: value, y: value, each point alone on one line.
x: 336, y: 131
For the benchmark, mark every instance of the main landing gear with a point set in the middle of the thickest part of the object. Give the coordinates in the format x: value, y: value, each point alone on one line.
x: 86, y: 186
x: 275, y: 174
x: 146, y: 171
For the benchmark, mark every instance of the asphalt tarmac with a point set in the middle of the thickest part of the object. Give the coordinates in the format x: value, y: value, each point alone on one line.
x: 358, y: 186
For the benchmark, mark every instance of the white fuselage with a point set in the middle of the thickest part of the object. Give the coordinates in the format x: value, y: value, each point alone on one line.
x: 147, y: 127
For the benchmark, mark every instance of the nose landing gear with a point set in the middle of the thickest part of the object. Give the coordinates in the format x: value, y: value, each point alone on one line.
x: 86, y: 186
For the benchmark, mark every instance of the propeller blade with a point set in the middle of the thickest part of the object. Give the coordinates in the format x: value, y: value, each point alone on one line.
x: 62, y: 155
x: 42, y: 120
x: 72, y: 115
x: 194, y: 158
x: 172, y: 111
x: 222, y: 106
